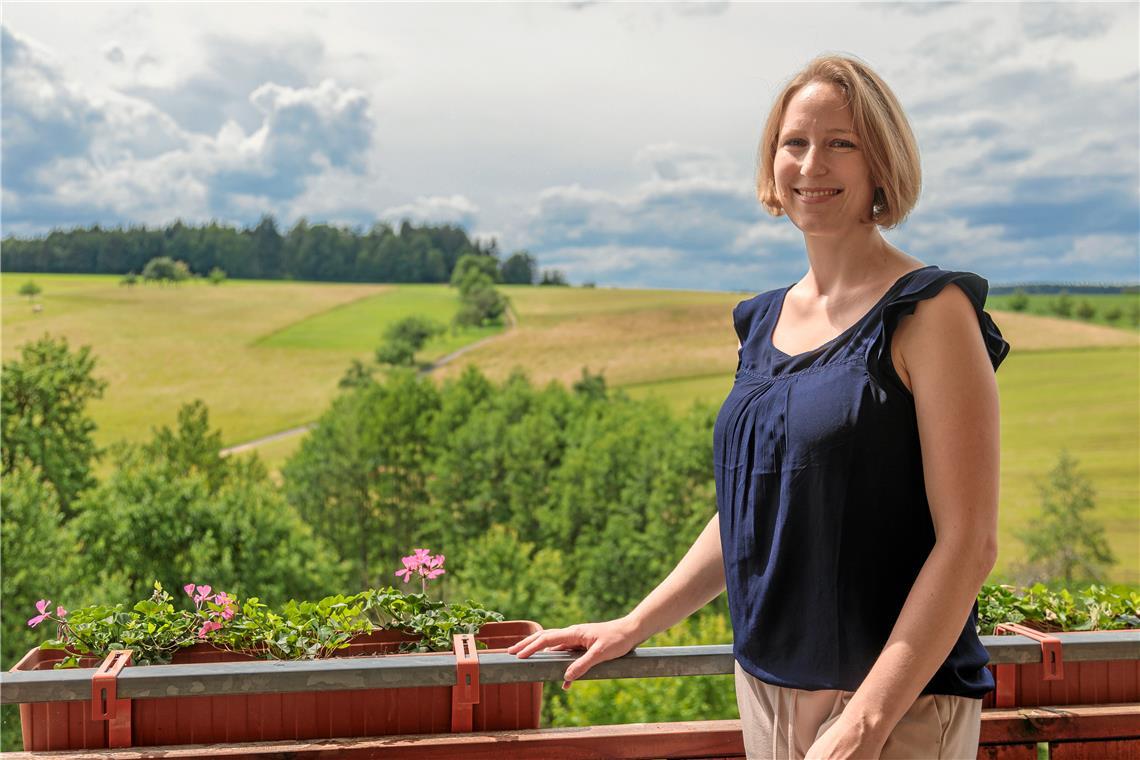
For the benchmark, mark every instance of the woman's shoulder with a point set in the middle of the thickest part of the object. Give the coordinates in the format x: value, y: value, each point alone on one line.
x: 935, y: 301
x: 748, y: 313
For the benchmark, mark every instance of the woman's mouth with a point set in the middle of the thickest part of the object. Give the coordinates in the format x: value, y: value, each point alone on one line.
x: 816, y: 196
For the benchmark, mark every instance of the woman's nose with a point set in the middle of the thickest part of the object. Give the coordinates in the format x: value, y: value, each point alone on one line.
x: 813, y: 163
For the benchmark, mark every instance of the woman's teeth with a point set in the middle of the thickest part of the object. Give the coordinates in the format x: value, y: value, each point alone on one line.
x: 815, y: 194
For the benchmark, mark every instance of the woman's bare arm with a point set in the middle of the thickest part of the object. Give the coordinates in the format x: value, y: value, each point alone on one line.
x: 696, y: 581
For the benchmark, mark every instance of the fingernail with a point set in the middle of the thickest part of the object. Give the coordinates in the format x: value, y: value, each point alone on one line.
x: 565, y: 685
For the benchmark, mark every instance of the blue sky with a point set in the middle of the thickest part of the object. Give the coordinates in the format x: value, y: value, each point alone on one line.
x: 615, y: 141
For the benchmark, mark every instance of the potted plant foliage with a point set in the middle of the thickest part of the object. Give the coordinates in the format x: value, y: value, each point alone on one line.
x: 1044, y: 611
x: 221, y: 628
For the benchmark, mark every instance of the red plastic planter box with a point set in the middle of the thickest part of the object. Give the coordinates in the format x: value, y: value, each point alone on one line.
x: 1054, y: 682
x: 274, y: 717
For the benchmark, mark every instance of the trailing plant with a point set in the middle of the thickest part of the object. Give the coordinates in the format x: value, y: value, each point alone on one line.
x: 154, y: 629
x: 1093, y: 608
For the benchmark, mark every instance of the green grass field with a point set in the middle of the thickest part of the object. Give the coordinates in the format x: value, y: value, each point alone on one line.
x: 1103, y: 305
x: 264, y: 356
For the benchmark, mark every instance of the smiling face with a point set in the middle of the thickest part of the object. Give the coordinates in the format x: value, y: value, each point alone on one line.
x: 817, y: 150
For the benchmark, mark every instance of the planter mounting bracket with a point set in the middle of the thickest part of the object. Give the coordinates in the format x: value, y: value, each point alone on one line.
x: 465, y: 693
x: 105, y: 702
x: 1052, y: 665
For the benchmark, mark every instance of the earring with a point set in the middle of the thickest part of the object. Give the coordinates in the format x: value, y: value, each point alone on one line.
x: 879, y: 204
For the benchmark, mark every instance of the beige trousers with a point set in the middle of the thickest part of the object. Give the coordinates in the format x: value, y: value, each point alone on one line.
x: 781, y: 723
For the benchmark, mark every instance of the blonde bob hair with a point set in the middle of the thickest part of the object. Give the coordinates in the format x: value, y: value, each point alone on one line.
x: 888, y: 142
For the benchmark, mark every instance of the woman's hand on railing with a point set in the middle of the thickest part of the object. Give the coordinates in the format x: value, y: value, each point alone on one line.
x: 602, y: 641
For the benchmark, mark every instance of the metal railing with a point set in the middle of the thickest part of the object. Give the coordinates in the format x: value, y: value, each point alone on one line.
x: 372, y: 672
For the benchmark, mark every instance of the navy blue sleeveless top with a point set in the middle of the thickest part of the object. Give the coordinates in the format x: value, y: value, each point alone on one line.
x: 824, y: 521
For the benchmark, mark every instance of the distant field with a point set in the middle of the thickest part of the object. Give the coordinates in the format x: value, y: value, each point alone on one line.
x: 660, y: 336
x: 356, y: 326
x: 1102, y: 303
x: 264, y: 356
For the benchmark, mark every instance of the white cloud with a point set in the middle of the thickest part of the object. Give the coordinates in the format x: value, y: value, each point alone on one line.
x: 78, y: 157
x: 1094, y: 250
x: 437, y: 209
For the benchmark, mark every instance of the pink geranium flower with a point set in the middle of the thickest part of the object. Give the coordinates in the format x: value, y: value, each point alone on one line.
x: 423, y: 563
x: 42, y: 608
x: 209, y: 625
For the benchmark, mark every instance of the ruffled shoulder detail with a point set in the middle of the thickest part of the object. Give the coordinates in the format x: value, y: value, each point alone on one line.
x: 749, y: 313
x: 927, y: 284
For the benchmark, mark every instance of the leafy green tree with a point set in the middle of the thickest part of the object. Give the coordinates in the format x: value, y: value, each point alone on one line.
x: 165, y: 269
x: 496, y: 451
x: 1133, y: 312
x: 1113, y: 313
x: 402, y: 339
x: 358, y: 374
x: 553, y: 277
x: 1062, y: 305
x: 1019, y: 301
x: 519, y: 269
x: 36, y: 548
x: 265, y: 249
x: 514, y: 577
x: 30, y: 289
x: 632, y: 477
x: 44, y: 396
x: 176, y: 511
x: 396, y: 353
x: 192, y: 446
x: 415, y: 329
x: 360, y: 477
x: 36, y: 551
x: 1086, y: 310
x: 1065, y: 542
x: 481, y: 304
x: 130, y: 279
x: 217, y: 276
x: 469, y: 266
x: 591, y: 385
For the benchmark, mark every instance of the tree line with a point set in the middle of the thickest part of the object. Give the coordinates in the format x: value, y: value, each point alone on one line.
x: 312, y: 252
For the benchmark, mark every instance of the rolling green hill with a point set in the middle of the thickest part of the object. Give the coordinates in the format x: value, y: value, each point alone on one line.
x: 264, y: 356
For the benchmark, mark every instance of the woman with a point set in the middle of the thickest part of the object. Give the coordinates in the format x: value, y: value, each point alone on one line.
x: 856, y: 461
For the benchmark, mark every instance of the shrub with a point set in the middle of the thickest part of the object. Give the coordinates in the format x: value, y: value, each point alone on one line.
x: 1019, y: 301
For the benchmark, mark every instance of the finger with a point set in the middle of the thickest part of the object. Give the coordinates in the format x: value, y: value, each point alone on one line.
x: 528, y: 641
x: 523, y: 642
x: 580, y: 667
x: 542, y: 642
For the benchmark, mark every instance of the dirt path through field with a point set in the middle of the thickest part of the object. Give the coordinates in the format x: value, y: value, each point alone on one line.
x: 437, y: 364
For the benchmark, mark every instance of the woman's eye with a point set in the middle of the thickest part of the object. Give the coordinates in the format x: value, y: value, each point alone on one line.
x: 841, y: 143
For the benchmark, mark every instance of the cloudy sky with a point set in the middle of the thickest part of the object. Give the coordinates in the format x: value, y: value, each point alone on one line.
x: 616, y: 142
